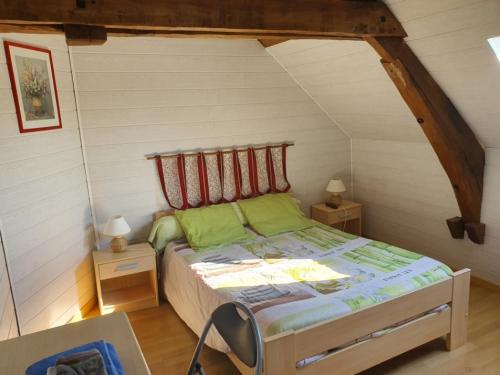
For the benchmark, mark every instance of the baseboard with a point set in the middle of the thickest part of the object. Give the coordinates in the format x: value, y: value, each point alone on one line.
x: 485, y: 284
x: 89, y: 306
x: 84, y: 310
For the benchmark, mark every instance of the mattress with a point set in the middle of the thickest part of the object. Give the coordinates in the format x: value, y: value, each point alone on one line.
x: 292, y: 280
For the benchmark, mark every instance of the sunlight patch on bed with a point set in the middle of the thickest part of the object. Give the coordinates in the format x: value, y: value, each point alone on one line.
x: 290, y: 271
x: 314, y: 271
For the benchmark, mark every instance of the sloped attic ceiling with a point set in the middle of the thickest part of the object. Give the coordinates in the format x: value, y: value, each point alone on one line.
x: 450, y: 38
x: 405, y: 192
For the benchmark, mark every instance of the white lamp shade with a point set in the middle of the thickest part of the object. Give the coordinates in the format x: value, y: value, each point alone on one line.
x: 116, y: 226
x: 335, y: 186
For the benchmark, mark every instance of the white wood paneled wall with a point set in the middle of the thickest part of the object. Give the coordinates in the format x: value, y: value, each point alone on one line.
x: 407, y: 197
x: 144, y: 95
x: 8, y: 322
x: 44, y: 204
x: 347, y: 80
x: 397, y: 176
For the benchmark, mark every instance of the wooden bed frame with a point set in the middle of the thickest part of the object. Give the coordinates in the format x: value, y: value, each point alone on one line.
x: 282, y: 351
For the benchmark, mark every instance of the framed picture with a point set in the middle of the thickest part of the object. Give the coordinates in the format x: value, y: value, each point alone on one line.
x: 34, y: 87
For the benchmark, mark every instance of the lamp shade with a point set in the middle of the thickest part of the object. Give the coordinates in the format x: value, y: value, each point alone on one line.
x: 116, y: 226
x: 335, y: 186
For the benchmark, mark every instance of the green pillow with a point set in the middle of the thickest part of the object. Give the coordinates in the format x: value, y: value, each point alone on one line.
x: 240, y: 215
x: 273, y: 214
x: 165, y: 229
x: 211, y: 226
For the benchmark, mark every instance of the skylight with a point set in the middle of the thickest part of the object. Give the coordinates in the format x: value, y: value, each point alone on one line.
x: 495, y: 45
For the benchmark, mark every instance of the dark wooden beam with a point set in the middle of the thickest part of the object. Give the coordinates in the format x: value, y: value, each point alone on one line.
x: 31, y: 28
x: 476, y: 232
x: 456, y: 146
x: 271, y: 38
x: 457, y: 227
x: 83, y: 35
x: 312, y: 18
x: 272, y: 42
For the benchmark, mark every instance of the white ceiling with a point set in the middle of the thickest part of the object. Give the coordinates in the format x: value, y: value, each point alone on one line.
x: 449, y: 36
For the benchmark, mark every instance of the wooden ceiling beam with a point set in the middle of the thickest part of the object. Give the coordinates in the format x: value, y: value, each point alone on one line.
x: 272, y: 42
x: 293, y: 19
x: 456, y: 146
x: 271, y: 39
x: 31, y: 28
x: 83, y: 35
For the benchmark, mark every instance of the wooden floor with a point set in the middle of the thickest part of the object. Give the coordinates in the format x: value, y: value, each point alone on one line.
x: 168, y: 344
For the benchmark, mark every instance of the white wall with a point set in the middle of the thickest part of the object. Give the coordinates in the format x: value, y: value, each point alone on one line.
x: 8, y: 322
x: 347, y: 80
x: 407, y: 197
x: 44, y: 204
x: 137, y: 96
x: 397, y: 176
x: 145, y: 95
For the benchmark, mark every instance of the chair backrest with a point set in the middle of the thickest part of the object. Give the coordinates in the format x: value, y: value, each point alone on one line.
x: 242, y: 335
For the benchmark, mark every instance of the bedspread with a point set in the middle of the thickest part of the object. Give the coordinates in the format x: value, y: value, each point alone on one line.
x: 295, y: 279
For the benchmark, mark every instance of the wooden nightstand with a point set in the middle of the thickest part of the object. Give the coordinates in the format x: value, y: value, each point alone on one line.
x: 347, y: 217
x: 126, y: 281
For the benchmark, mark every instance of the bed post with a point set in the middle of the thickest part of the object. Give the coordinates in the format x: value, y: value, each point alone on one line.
x: 279, y: 354
x: 459, y: 310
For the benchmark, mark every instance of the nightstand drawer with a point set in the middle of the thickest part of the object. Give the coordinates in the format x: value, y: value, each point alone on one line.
x: 330, y: 216
x: 353, y: 213
x: 126, y: 267
x: 346, y: 218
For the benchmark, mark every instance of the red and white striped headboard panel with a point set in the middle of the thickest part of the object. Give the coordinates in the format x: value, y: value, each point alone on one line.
x: 205, y: 178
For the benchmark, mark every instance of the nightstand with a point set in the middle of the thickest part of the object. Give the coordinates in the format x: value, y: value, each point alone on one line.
x: 347, y: 217
x: 126, y: 281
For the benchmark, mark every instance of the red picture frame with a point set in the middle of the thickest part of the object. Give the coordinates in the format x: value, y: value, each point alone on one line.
x: 34, y: 87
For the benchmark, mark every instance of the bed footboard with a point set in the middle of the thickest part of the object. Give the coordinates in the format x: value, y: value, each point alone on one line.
x: 459, y: 310
x: 282, y: 351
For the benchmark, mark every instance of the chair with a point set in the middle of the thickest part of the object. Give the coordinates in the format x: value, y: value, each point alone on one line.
x: 241, y: 335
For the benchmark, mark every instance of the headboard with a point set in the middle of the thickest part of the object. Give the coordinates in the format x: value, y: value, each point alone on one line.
x: 204, y: 177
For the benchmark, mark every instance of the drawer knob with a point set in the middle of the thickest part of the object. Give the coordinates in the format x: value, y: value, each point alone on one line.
x: 126, y: 267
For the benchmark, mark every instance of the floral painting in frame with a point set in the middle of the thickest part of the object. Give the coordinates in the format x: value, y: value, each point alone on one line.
x: 34, y: 87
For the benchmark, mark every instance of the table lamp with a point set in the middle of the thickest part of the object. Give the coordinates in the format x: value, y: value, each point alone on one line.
x: 117, y: 227
x: 335, y: 188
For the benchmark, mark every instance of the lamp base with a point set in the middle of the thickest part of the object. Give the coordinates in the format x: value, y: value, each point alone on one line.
x: 119, y: 244
x: 335, y: 199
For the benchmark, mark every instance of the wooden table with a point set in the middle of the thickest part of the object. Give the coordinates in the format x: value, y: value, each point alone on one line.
x: 18, y: 354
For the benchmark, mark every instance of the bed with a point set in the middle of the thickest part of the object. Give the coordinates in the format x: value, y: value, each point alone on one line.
x: 323, y: 298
